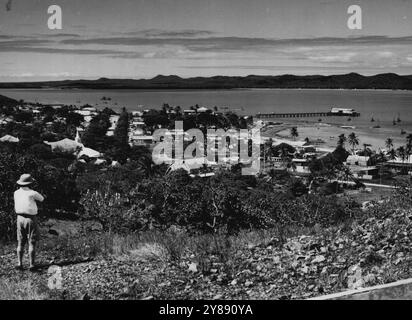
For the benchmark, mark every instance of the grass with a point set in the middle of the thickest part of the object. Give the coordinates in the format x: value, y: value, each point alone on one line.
x: 169, y: 246
x: 20, y: 290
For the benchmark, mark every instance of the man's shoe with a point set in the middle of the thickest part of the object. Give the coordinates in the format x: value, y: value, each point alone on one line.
x: 33, y: 268
x: 19, y: 268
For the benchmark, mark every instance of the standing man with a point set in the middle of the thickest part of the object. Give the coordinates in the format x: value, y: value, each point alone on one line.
x: 26, y: 210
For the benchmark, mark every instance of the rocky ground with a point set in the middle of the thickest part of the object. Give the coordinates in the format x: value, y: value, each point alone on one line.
x: 376, y: 251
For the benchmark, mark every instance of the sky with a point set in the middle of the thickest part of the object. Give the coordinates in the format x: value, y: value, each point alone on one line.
x: 188, y: 38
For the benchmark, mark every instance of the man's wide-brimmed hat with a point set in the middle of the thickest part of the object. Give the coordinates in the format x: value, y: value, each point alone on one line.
x: 25, y: 179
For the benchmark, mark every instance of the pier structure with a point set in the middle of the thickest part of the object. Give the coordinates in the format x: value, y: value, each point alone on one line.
x: 304, y: 115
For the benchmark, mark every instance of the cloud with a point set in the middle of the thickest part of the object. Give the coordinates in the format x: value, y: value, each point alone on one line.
x: 238, y: 43
x: 3, y: 36
x: 156, y: 33
x: 16, y: 42
x: 31, y: 75
x: 256, y: 67
x: 338, y: 57
x: 60, y: 35
x: 46, y: 46
x: 57, y: 50
x: 202, y: 47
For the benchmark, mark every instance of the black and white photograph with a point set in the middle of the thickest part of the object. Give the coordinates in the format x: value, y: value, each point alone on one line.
x: 225, y: 151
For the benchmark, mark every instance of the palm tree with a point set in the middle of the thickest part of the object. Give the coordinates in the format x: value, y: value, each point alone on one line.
x: 353, y: 141
x: 165, y: 108
x: 391, y: 154
x: 266, y: 152
x: 389, y: 143
x: 178, y: 110
x: 294, y: 132
x: 143, y: 157
x: 409, y: 143
x: 401, y: 151
x: 365, y: 147
x: 381, y: 156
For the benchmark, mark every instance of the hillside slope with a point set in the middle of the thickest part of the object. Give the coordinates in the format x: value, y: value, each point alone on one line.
x: 6, y: 101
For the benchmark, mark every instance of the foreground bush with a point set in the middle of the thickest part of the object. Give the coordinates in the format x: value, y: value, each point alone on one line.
x: 226, y: 201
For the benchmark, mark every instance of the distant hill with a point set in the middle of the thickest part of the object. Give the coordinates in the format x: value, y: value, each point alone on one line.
x: 344, y: 81
x: 6, y: 101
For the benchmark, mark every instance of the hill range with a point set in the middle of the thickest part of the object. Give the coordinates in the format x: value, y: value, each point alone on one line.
x: 390, y: 81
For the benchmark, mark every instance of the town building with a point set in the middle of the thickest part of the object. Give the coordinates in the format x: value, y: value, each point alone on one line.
x: 399, y: 164
x: 140, y: 140
x: 9, y: 138
x: 361, y: 167
x: 300, y: 166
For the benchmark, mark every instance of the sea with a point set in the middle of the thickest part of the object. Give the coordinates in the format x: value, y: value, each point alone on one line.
x: 378, y: 108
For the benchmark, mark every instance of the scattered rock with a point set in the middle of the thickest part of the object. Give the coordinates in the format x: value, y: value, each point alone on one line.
x: 355, y: 279
x: 369, y: 278
x: 319, y: 259
x: 248, y: 283
x: 63, y: 228
x: 192, y: 267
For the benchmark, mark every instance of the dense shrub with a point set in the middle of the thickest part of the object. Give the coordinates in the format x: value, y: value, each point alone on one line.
x: 225, y: 201
x: 400, y: 200
x: 317, y: 209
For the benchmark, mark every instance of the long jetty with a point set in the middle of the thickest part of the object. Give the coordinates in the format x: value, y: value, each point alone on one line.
x: 305, y: 115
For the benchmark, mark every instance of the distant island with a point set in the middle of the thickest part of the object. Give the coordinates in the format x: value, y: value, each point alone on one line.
x: 389, y: 81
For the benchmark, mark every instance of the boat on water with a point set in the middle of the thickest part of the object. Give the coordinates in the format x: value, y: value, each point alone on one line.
x: 348, y: 127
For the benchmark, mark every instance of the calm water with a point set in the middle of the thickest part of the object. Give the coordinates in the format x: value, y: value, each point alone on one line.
x: 382, y: 105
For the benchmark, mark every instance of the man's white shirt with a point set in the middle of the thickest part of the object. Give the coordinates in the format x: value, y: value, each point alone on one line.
x: 25, y: 201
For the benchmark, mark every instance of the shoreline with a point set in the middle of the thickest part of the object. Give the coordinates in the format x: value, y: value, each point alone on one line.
x: 329, y: 133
